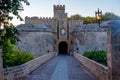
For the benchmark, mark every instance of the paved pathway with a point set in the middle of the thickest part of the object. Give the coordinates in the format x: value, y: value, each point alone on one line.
x: 77, y: 71
x: 61, y: 68
x: 61, y: 72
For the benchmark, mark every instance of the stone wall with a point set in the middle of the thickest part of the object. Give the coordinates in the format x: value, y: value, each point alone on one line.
x: 90, y: 40
x: 74, y: 23
x: 101, y: 72
x: 18, y: 72
x: 37, y: 43
x: 42, y: 20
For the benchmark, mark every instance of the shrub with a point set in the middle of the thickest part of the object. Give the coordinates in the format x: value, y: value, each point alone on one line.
x: 8, y: 47
x: 99, y: 56
x: 14, y: 57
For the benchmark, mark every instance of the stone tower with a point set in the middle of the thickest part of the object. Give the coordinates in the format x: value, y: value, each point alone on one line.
x: 62, y: 35
x: 58, y: 9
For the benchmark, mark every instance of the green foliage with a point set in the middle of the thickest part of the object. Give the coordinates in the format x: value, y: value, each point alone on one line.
x: 11, y: 6
x: 88, y: 19
x: 10, y: 33
x: 99, y: 56
x: 13, y: 57
x: 110, y: 16
x: 76, y: 17
x: 16, y: 58
x: 8, y: 47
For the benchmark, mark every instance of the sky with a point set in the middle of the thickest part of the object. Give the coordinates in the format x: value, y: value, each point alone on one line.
x: 44, y: 8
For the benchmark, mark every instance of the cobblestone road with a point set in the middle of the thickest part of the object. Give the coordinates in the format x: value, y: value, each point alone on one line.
x: 51, y: 70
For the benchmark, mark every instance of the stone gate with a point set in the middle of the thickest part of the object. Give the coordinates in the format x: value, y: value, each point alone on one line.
x: 46, y: 35
x: 63, y: 30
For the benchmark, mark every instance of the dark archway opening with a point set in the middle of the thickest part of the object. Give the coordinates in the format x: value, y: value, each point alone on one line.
x: 63, y: 47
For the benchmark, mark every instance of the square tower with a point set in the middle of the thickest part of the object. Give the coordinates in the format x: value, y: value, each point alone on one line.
x: 58, y: 9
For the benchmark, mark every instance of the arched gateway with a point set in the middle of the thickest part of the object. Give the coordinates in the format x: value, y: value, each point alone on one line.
x: 63, y: 48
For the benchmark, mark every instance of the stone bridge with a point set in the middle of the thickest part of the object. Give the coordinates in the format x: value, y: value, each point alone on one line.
x: 76, y: 67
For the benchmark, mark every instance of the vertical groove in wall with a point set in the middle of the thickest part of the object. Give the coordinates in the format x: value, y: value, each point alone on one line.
x: 57, y: 30
x: 67, y: 32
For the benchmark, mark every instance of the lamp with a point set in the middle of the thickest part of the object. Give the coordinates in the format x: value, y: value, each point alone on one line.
x: 5, y: 21
x: 98, y: 16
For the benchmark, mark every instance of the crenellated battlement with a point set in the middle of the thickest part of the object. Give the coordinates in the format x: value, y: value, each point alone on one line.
x: 59, y: 6
x: 38, y: 18
x: 47, y: 18
x: 58, y: 9
x: 48, y: 21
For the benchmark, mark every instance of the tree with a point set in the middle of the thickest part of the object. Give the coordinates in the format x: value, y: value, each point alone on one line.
x: 76, y: 17
x: 110, y: 16
x: 9, y: 32
x: 11, y: 56
x: 11, y: 6
x: 88, y: 19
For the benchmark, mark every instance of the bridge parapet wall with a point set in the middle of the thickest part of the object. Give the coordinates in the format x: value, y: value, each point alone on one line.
x: 101, y: 72
x: 18, y: 72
